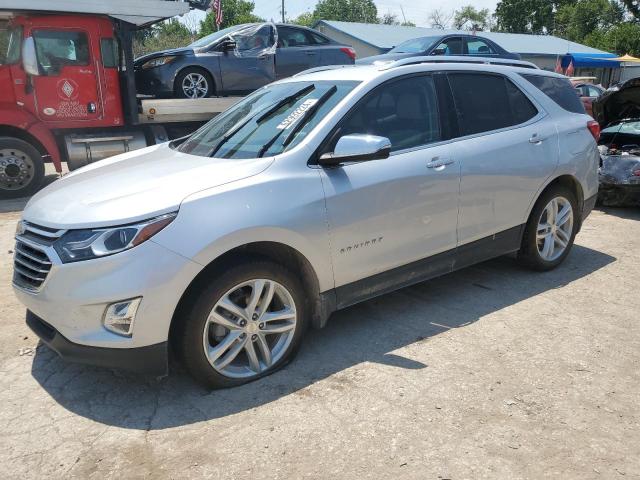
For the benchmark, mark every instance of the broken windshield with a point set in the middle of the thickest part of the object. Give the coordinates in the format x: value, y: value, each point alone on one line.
x: 268, y: 122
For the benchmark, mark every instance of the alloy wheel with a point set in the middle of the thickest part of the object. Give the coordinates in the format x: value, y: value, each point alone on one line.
x: 555, y: 228
x: 16, y: 169
x: 195, y: 85
x: 250, y: 328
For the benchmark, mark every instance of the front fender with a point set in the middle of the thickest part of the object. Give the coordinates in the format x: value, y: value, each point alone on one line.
x: 18, y: 119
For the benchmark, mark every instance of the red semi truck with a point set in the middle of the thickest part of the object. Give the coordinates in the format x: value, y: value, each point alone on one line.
x: 67, y: 89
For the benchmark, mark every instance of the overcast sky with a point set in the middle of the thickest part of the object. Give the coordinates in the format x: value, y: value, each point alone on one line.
x: 416, y: 11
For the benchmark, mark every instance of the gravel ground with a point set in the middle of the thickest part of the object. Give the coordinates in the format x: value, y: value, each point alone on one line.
x: 491, y: 372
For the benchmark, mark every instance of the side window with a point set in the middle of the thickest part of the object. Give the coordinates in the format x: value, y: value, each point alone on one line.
x: 487, y: 102
x: 57, y: 49
x: 318, y: 39
x: 559, y: 90
x: 593, y: 91
x: 292, y: 37
x: 109, y: 52
x: 479, y: 47
x: 450, y: 46
x: 405, y: 111
x: 257, y: 40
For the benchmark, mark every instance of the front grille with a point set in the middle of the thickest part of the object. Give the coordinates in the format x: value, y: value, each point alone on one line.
x: 31, y: 263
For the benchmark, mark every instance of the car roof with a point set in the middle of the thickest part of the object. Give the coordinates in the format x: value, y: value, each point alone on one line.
x: 415, y: 64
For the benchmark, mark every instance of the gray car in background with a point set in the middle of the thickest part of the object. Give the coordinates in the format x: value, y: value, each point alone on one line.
x: 237, y: 60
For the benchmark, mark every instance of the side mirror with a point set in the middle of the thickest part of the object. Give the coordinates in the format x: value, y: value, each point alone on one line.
x: 357, y: 148
x: 439, y: 51
x: 29, y: 57
x: 227, y: 45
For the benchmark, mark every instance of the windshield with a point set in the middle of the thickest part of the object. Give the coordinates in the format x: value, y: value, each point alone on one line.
x: 415, y: 45
x: 269, y: 121
x: 209, y: 39
x: 14, y: 43
x: 632, y: 128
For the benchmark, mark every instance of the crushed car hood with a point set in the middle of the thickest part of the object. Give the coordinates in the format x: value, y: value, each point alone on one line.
x: 132, y: 187
x: 613, y: 106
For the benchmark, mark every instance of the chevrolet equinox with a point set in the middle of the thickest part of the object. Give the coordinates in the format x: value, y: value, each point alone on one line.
x: 310, y: 195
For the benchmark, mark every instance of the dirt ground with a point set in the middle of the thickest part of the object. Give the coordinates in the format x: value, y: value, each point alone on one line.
x: 491, y: 372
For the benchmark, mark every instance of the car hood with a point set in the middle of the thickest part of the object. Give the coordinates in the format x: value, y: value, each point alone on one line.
x: 617, y: 105
x: 164, y: 53
x: 385, y: 57
x: 133, y: 187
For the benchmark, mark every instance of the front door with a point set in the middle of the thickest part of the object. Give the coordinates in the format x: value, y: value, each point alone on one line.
x: 389, y: 213
x: 251, y: 65
x: 67, y: 87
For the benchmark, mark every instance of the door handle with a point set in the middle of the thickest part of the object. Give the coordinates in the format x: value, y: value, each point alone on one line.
x: 536, y: 139
x: 437, y: 162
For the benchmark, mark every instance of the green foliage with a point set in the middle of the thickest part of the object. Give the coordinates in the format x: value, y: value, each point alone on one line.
x: 622, y: 39
x: 576, y: 21
x: 235, y: 12
x: 469, y: 18
x: 633, y: 6
x: 364, y: 11
x: 392, y: 19
x: 527, y: 16
x: 162, y: 36
x: 4, y: 45
x: 306, y: 19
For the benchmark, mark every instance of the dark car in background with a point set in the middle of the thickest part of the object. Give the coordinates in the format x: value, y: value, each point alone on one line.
x: 450, y: 45
x: 588, y: 93
x: 237, y: 60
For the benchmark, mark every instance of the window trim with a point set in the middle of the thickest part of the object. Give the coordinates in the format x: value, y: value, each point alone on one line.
x: 328, y: 139
x: 542, y: 113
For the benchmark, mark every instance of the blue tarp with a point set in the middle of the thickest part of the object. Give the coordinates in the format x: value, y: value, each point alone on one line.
x: 587, y: 60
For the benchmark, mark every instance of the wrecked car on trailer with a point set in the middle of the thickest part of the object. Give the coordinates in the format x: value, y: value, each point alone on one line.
x: 618, y: 112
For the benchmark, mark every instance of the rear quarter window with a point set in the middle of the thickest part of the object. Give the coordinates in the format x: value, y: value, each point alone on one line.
x: 559, y: 90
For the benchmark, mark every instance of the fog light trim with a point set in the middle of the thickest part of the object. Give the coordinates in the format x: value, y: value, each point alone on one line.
x: 119, y: 316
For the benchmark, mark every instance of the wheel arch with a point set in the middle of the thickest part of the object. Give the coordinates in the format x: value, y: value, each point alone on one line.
x: 196, y: 66
x: 569, y: 181
x: 39, y: 137
x: 264, y: 250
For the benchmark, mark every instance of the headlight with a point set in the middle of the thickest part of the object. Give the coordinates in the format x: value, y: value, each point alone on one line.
x: 157, y: 62
x: 77, y: 245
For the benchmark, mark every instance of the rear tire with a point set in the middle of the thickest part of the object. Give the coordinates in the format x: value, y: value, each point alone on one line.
x: 21, y: 168
x: 193, y: 82
x: 223, y: 339
x: 550, y: 230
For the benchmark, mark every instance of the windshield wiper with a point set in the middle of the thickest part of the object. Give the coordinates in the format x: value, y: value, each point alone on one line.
x: 264, y: 113
x: 299, y: 122
x: 306, y: 116
x: 285, y: 101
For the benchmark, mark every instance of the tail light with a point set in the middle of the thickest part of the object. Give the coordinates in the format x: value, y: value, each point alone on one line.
x: 349, y: 52
x: 594, y: 128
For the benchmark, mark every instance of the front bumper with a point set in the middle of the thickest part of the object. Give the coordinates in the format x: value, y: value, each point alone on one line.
x: 155, y: 81
x: 150, y: 360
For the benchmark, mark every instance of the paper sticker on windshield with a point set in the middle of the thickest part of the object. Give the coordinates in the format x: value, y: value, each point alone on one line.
x: 297, y: 113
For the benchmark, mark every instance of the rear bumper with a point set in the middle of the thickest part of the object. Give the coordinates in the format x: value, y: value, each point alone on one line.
x: 588, y: 206
x: 149, y: 360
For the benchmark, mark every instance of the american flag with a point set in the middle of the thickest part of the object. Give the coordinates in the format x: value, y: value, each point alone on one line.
x: 217, y: 6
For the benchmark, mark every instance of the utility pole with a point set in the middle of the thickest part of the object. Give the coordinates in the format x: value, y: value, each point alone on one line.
x: 283, y: 19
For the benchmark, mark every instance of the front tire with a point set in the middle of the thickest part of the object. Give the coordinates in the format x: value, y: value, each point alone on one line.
x: 247, y: 322
x: 21, y: 168
x: 550, y: 230
x: 193, y: 83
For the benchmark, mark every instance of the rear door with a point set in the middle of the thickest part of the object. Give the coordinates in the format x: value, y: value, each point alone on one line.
x: 67, y: 87
x: 296, y: 51
x: 507, y: 148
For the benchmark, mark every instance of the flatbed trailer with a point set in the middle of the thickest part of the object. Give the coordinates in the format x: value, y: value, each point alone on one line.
x: 83, y: 108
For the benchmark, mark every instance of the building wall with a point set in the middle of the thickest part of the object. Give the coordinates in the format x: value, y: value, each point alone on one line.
x: 362, y: 49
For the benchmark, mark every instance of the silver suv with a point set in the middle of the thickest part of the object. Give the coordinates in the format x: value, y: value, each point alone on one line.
x: 310, y: 195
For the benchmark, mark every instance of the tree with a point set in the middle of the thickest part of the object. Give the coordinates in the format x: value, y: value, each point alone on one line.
x: 469, y: 18
x: 306, y: 19
x: 633, y: 6
x: 528, y: 16
x: 163, y: 36
x: 234, y: 12
x: 364, y: 11
x: 392, y: 19
x: 440, y: 19
x: 579, y: 20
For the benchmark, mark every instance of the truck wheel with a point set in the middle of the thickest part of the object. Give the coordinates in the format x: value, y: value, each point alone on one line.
x: 550, y: 230
x: 247, y: 322
x: 193, y: 83
x: 21, y: 168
